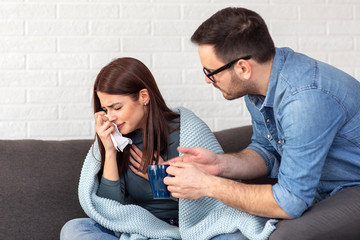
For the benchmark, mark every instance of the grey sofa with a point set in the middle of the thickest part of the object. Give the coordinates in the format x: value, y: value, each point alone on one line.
x: 39, y: 179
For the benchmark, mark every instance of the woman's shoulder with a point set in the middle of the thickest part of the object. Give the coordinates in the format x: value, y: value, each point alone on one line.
x: 194, y: 132
x: 187, y: 116
x: 185, y: 113
x: 190, y: 122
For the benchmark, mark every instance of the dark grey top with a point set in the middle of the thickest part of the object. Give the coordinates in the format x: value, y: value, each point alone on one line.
x: 138, y: 188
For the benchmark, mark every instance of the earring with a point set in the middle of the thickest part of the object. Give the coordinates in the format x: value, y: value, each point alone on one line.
x: 145, y: 104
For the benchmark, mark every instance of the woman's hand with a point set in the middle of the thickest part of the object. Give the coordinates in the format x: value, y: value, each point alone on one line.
x: 136, y: 161
x: 104, y: 128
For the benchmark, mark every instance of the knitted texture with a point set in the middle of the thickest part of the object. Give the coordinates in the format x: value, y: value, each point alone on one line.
x: 198, y: 219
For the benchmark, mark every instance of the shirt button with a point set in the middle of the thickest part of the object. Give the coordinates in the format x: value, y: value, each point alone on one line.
x: 267, y: 120
x: 279, y: 141
x: 268, y: 136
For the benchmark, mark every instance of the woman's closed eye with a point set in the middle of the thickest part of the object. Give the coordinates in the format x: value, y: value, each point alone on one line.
x: 104, y: 109
x: 116, y: 108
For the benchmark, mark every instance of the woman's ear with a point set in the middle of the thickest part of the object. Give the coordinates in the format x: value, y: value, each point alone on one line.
x: 144, y: 97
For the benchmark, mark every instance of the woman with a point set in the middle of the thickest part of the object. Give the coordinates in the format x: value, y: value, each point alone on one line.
x: 125, y: 93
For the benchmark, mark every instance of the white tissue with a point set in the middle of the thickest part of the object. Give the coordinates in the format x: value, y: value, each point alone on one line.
x: 118, y: 140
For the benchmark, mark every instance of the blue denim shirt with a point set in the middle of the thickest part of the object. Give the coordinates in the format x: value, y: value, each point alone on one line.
x: 307, y: 129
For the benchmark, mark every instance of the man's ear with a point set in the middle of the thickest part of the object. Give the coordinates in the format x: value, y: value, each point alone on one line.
x: 144, y: 97
x: 243, y: 69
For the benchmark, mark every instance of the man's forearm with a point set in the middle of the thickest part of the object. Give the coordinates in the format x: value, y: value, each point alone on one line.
x: 254, y: 199
x: 246, y: 164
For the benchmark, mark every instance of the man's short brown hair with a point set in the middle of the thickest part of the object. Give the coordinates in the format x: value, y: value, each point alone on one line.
x: 236, y: 32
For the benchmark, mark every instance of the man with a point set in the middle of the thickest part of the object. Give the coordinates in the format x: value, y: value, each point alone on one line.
x: 306, y: 129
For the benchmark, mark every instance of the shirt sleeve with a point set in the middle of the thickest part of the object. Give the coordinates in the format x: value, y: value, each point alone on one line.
x: 271, y: 157
x: 310, y: 120
x: 110, y: 189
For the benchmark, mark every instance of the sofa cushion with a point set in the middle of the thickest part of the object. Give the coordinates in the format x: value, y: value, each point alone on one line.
x: 38, y: 183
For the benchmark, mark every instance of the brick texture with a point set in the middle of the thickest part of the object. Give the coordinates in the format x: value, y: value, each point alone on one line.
x: 52, y: 50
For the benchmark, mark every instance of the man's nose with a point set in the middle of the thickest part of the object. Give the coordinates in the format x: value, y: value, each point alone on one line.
x: 207, y: 80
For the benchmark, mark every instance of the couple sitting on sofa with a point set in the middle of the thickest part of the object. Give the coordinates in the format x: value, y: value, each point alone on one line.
x: 305, y: 133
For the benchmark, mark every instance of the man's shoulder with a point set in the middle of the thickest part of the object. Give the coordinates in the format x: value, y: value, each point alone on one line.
x: 299, y: 70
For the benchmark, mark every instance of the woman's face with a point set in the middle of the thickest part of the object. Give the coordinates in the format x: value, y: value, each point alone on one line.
x: 127, y: 114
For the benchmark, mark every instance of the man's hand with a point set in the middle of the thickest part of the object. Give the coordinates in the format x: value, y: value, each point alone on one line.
x: 187, y: 181
x: 203, y: 158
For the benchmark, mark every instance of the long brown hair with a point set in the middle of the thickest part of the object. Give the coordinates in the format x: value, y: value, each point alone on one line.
x: 127, y: 76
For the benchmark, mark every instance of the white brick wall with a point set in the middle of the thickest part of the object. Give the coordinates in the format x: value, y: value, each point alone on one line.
x: 51, y: 51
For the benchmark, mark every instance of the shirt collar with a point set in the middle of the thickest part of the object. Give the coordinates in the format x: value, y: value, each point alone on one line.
x: 277, y: 65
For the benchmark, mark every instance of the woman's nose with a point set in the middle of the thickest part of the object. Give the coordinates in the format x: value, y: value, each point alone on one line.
x: 111, y: 116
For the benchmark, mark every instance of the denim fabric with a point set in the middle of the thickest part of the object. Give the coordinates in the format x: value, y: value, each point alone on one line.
x: 85, y: 228
x: 307, y: 129
x: 230, y: 236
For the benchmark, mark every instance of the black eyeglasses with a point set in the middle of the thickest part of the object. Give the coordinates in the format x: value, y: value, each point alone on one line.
x: 210, y: 75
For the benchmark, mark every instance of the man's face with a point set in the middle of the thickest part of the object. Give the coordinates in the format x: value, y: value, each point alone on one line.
x: 227, y: 81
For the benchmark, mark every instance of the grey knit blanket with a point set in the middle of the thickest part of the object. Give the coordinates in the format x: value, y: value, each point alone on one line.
x: 198, y: 219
